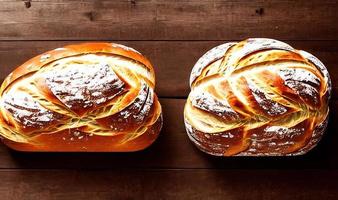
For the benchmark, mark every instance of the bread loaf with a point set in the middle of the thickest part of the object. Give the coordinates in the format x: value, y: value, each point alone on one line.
x: 257, y: 97
x: 86, y: 97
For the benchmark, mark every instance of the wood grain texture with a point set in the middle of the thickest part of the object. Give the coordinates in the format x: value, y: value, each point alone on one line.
x: 168, y: 20
x: 173, y: 35
x: 169, y: 184
x: 173, y: 60
x: 173, y: 150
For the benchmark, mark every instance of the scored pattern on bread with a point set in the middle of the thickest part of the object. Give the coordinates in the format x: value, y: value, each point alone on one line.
x: 257, y: 97
x: 84, y: 97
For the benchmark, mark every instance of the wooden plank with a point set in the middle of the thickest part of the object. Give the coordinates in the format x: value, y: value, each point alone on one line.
x: 169, y: 184
x: 168, y: 20
x: 173, y: 60
x: 174, y: 150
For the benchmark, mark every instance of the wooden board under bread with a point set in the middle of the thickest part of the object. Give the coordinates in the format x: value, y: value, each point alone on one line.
x: 168, y: 184
x: 173, y: 35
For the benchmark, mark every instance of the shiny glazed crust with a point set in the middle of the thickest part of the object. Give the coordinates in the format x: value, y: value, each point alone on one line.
x: 84, y: 97
x: 258, y: 97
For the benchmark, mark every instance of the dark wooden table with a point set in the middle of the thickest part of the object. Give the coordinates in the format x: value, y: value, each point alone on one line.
x: 173, y: 36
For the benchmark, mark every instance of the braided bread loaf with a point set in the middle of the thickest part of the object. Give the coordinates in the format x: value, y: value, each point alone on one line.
x: 257, y: 97
x: 84, y: 97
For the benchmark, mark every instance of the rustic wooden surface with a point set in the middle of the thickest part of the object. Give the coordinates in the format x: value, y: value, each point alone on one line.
x: 173, y: 35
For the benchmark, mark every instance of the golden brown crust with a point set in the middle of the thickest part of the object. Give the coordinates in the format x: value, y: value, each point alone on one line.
x: 75, y: 141
x: 83, y: 97
x: 262, y: 97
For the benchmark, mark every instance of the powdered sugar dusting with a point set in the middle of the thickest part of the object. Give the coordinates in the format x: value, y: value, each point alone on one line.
x: 84, y: 86
x: 273, y: 140
x: 207, y: 102
x: 141, y: 105
x: 271, y: 107
x: 148, y: 102
x: 282, y: 132
x: 27, y: 111
x: 298, y: 74
x: 257, y: 44
x: 136, y: 112
x: 305, y: 83
x: 212, y: 55
x: 316, y: 136
x: 321, y: 67
x: 125, y: 48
